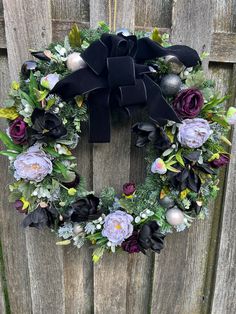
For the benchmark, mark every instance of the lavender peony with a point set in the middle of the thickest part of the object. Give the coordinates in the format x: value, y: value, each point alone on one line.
x: 117, y: 227
x: 194, y: 133
x: 33, y: 165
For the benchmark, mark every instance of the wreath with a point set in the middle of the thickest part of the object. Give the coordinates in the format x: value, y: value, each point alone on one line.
x: 97, y: 76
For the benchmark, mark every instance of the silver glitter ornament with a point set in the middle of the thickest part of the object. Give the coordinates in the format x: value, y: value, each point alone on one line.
x: 176, y: 66
x: 75, y: 62
x: 125, y: 32
x: 166, y: 202
x: 175, y: 216
x: 170, y: 84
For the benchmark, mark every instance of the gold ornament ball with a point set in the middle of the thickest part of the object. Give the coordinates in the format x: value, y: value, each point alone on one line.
x: 75, y: 62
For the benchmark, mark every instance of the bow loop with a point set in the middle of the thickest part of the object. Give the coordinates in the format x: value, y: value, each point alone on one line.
x: 121, y: 71
x: 116, y: 75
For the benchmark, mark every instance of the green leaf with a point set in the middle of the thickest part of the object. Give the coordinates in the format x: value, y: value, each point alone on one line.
x: 103, y: 27
x: 74, y: 36
x: 214, y: 102
x: 33, y: 85
x: 8, y: 142
x: 98, y: 253
x: 8, y: 153
x: 60, y: 168
x: 156, y: 35
x: 179, y: 158
x: 172, y: 169
x: 25, y: 96
x: 40, y: 95
x: 220, y: 120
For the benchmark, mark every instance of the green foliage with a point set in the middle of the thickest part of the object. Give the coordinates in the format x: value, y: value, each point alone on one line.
x: 75, y: 37
x: 156, y: 36
x: 107, y: 197
x: 9, y: 143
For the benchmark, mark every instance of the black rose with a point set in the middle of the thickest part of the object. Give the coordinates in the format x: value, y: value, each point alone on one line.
x: 85, y: 209
x: 46, y: 126
x: 150, y: 237
x: 41, y: 217
x: 150, y: 133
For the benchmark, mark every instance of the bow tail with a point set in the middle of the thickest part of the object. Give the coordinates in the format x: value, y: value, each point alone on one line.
x: 159, y: 110
x: 99, y: 116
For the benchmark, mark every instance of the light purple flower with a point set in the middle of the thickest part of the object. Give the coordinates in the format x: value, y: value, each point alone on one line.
x: 117, y: 227
x: 194, y: 133
x: 33, y: 165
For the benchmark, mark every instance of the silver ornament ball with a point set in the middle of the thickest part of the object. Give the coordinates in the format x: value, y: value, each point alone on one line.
x: 170, y: 84
x: 175, y: 216
x: 176, y: 66
x: 166, y: 202
x: 75, y: 62
x: 125, y: 32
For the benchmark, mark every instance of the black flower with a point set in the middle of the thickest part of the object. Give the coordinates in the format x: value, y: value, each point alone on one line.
x: 46, y: 126
x: 188, y: 176
x: 41, y: 217
x: 85, y: 209
x: 150, y: 237
x: 149, y: 132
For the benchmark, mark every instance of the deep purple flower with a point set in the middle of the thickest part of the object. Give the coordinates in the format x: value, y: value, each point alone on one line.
x: 188, y: 103
x: 129, y: 188
x: 41, y: 217
x: 19, y: 206
x: 221, y: 161
x: 17, y: 131
x: 131, y: 245
x: 117, y: 227
x: 194, y: 133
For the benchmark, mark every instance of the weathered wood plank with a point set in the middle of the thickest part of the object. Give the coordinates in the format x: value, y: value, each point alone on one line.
x: 3, y: 73
x: 223, y: 47
x: 45, y: 276
x: 12, y: 235
x: 78, y: 268
x: 179, y: 272
x: 224, y: 281
x: 111, y: 168
x: 70, y: 10
x: 2, y: 33
x: 153, y: 13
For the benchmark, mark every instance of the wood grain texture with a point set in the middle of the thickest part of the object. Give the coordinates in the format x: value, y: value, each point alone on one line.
x: 153, y: 13
x: 180, y: 269
x: 70, y: 10
x: 223, y: 47
x: 111, y: 168
x: 224, y: 291
x: 45, y: 263
x: 3, y: 86
x: 78, y: 268
x: 27, y: 32
x: 12, y: 235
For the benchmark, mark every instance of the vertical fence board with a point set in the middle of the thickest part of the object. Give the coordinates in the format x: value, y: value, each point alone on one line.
x: 224, y: 293
x: 153, y: 13
x: 3, y: 165
x: 13, y: 239
x: 78, y: 268
x: 180, y: 269
x: 45, y: 262
x: 111, y: 167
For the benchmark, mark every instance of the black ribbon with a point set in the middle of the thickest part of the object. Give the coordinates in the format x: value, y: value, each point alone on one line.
x: 116, y: 74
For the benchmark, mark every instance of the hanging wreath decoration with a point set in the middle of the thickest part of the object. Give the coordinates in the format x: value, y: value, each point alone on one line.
x: 89, y: 77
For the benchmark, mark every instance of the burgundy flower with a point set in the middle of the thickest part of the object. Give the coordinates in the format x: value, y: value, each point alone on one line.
x: 17, y: 131
x: 129, y: 188
x: 188, y: 103
x: 131, y: 245
x: 19, y: 206
x: 220, y: 162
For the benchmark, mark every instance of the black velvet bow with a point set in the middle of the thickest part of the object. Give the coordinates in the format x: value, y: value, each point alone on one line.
x: 116, y: 74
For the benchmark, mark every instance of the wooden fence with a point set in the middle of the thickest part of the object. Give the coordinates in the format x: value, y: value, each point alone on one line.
x: 196, y: 271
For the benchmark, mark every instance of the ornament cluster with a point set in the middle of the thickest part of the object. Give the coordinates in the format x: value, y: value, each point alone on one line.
x: 183, y: 155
